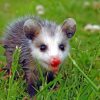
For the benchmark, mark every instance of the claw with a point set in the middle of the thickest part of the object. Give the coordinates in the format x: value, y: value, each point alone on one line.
x: 25, y: 98
x: 1, y: 70
x: 9, y: 74
x: 3, y: 64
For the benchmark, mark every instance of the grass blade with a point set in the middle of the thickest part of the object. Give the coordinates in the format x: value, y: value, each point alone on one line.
x: 87, y: 78
x: 14, y: 68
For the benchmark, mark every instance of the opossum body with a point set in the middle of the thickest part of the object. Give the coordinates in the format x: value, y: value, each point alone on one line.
x: 40, y: 40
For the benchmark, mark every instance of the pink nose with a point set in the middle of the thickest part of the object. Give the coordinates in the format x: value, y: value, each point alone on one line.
x: 55, y: 61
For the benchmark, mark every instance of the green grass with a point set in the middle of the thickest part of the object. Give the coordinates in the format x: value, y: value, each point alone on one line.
x: 79, y: 77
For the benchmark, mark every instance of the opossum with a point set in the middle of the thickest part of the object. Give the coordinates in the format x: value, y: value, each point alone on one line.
x: 40, y: 40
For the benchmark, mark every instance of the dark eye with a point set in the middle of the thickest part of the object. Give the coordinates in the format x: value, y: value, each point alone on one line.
x: 62, y: 47
x: 43, y: 47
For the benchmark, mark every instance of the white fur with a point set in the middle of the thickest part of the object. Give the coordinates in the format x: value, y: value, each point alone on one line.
x: 53, y: 49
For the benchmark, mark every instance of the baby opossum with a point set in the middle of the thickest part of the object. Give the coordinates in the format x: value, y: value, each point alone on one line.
x: 40, y: 40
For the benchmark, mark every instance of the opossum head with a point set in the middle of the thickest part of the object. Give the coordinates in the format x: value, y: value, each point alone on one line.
x: 49, y: 41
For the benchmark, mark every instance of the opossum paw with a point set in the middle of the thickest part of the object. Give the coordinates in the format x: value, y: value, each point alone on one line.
x: 8, y: 74
x: 25, y: 98
x: 31, y: 90
x: 1, y: 70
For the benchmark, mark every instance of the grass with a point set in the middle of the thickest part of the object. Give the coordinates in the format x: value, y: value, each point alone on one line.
x: 79, y: 77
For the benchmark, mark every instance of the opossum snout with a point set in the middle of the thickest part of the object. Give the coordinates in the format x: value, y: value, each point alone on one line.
x: 55, y: 61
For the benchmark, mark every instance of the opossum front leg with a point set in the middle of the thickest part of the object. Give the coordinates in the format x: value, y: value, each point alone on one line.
x: 30, y: 81
x: 9, y: 61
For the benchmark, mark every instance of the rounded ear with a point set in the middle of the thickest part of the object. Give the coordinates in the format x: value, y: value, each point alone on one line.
x: 31, y: 28
x: 69, y: 27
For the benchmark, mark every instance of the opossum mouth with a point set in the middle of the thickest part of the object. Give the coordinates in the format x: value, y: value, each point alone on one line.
x: 54, y: 69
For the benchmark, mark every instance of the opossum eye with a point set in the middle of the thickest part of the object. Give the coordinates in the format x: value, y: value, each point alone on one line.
x: 43, y: 47
x: 62, y: 47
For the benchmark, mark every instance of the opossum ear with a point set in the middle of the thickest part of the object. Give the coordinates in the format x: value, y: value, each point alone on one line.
x: 31, y: 28
x: 69, y: 27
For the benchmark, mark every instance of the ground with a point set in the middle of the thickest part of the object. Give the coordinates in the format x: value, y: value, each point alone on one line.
x: 81, y: 74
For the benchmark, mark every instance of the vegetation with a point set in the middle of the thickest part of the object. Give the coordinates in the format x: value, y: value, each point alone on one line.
x: 79, y: 77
